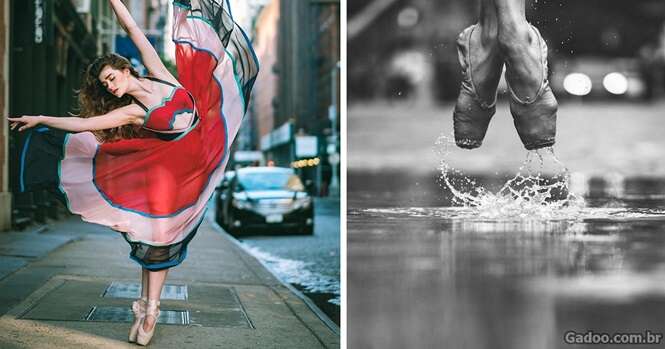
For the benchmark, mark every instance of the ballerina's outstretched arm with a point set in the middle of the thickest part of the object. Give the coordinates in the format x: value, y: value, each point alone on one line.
x: 129, y: 114
x: 149, y: 56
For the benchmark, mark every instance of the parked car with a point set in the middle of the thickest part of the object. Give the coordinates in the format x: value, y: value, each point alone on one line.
x: 254, y: 198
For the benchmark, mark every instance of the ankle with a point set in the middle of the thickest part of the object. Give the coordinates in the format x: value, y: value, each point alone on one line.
x: 489, y: 35
x: 512, y: 41
x: 152, y: 308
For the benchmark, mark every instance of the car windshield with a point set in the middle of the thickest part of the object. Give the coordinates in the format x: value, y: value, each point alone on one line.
x: 270, y: 181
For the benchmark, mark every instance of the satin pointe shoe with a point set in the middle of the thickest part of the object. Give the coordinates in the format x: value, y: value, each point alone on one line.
x: 535, y: 117
x: 138, y: 307
x: 472, y: 114
x: 152, y: 309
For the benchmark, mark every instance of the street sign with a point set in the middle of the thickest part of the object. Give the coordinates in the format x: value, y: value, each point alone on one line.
x: 306, y: 146
x: 278, y: 136
x: 282, y: 134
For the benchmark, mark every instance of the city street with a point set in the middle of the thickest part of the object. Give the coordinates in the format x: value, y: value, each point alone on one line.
x: 309, y: 262
x: 70, y: 284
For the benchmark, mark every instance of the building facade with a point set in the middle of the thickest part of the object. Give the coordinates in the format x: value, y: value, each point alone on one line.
x: 296, y: 100
x: 45, y: 47
x: 5, y: 194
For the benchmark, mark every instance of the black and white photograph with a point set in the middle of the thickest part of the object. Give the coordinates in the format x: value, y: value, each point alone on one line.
x: 505, y: 174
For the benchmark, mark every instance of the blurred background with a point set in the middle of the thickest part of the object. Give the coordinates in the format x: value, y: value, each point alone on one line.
x: 606, y: 67
x: 292, y: 122
x: 615, y: 48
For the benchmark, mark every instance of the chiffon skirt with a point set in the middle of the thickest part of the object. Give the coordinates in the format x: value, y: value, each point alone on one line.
x: 154, y: 190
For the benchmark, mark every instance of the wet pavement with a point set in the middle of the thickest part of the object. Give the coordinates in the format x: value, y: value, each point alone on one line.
x: 423, y: 274
x: 311, y: 263
x: 419, y: 278
x: 71, y: 286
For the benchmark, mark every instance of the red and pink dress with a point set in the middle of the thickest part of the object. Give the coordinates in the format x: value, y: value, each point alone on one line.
x: 154, y: 190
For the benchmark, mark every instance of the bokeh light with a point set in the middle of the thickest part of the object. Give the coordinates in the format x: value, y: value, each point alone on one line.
x: 577, y: 84
x: 408, y: 17
x: 615, y: 83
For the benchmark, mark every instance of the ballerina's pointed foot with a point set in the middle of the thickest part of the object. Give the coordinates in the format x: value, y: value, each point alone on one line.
x: 482, y: 67
x: 138, y: 308
x: 534, y: 115
x: 152, y: 311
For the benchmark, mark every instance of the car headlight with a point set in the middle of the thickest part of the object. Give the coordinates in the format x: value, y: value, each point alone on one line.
x: 302, y: 203
x: 242, y: 204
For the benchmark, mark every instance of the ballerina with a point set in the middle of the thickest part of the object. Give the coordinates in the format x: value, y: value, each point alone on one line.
x: 145, y: 153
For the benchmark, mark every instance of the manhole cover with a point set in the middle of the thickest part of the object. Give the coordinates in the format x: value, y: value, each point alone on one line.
x: 120, y: 289
x: 122, y: 314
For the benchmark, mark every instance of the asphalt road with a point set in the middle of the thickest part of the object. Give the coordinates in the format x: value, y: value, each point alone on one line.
x: 309, y: 262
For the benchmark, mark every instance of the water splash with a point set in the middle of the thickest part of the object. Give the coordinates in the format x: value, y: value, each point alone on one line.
x: 539, y: 190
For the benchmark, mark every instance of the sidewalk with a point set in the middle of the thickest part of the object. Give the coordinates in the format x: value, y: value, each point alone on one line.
x: 71, y: 285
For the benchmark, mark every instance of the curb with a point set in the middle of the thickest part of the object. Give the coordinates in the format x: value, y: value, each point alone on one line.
x: 310, y: 304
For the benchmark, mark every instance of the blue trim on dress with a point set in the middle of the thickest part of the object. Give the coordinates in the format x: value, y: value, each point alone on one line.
x: 228, y: 6
x: 197, y: 48
x: 64, y: 149
x: 183, y: 253
x: 204, y: 20
x: 181, y: 5
x: 163, y: 103
x: 176, y: 113
x: 238, y: 84
x: 224, y: 158
x: 24, y: 151
x: 163, y: 265
x: 251, y: 49
x: 186, y: 132
x: 241, y: 87
x: 120, y: 207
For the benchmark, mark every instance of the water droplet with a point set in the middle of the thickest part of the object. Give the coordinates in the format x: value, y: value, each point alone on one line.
x: 529, y: 195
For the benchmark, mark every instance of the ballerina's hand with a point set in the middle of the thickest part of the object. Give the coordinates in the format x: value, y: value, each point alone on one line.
x: 27, y: 122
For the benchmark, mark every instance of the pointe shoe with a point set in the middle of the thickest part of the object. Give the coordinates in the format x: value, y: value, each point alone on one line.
x: 472, y: 115
x: 138, y: 307
x: 535, y: 117
x: 152, y: 309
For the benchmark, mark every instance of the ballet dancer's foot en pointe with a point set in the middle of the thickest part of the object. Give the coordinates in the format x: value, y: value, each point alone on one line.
x: 146, y: 309
x: 501, y: 37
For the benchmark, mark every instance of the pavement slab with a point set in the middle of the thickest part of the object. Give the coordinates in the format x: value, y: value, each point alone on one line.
x: 62, y: 297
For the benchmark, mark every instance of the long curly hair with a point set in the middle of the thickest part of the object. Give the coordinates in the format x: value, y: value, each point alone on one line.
x: 95, y: 99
